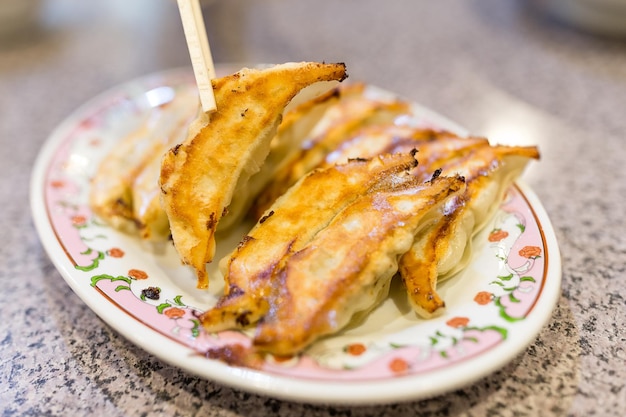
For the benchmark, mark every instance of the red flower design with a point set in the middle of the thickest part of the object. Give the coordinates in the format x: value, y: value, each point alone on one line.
x: 79, y: 220
x: 398, y: 365
x: 483, y: 298
x: 497, y: 235
x: 355, y: 349
x: 57, y: 184
x: 530, y: 251
x: 137, y: 274
x: 174, y: 312
x: 457, y: 322
x: 115, y: 252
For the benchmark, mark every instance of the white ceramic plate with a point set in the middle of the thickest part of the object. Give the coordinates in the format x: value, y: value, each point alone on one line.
x: 495, y: 308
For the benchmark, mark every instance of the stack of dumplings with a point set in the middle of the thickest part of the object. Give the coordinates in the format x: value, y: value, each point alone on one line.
x: 345, y: 193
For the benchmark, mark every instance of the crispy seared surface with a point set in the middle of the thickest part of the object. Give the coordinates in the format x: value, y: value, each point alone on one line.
x: 295, y: 127
x: 306, y: 273
x: 445, y: 248
x: 352, y: 109
x: 291, y: 223
x: 200, y: 176
x: 347, y: 268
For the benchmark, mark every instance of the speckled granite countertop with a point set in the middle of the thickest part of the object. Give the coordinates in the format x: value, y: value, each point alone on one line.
x: 496, y: 67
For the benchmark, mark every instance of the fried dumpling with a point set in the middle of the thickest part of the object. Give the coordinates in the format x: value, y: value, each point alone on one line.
x: 432, y: 145
x: 200, y: 176
x: 354, y: 108
x: 288, y: 225
x: 126, y: 181
x: 314, y: 285
x: 445, y: 247
x: 148, y: 214
x: 294, y: 128
x: 346, y: 270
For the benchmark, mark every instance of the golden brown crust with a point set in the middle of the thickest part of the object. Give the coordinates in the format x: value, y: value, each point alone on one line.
x: 289, y: 225
x: 351, y: 110
x: 199, y: 177
x: 346, y: 269
x: 445, y: 248
x: 295, y: 127
x: 308, y: 207
x: 326, y: 251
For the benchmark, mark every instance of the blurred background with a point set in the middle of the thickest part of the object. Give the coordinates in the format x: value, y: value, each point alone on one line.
x: 463, y: 59
x: 545, y: 72
x: 450, y: 56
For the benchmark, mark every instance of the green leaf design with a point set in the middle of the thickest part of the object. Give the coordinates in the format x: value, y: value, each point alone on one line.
x: 161, y: 307
x: 195, y: 330
x: 178, y: 302
x: 513, y: 298
x: 505, y: 277
x: 65, y: 204
x: 96, y: 237
x: 503, y: 332
x: 503, y: 312
x: 527, y: 279
x: 97, y: 278
x: 94, y: 263
x: 121, y: 288
x: 96, y: 222
x: 521, y: 227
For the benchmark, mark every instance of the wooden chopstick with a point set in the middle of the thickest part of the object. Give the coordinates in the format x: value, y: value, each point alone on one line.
x: 199, y: 51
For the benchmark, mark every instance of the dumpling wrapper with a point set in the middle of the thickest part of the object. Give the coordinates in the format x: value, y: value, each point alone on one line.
x: 346, y: 270
x: 315, y: 275
x: 353, y: 109
x: 200, y: 176
x: 291, y: 223
x: 445, y: 248
x: 125, y: 185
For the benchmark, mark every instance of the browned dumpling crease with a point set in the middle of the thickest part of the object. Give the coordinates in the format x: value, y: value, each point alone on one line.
x: 344, y: 111
x: 347, y: 269
x: 340, y: 270
x: 445, y: 248
x: 200, y: 176
x: 290, y: 224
